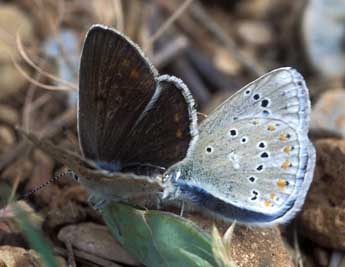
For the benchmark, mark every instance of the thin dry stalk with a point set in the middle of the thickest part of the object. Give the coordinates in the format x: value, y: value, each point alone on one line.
x: 200, y: 14
x: 28, y: 106
x: 169, y: 22
x: 118, y: 9
x: 68, y: 85
x: 33, y: 81
x: 65, y: 119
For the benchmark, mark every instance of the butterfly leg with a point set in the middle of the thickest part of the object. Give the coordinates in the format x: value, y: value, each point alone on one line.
x: 96, y: 202
x: 182, y: 208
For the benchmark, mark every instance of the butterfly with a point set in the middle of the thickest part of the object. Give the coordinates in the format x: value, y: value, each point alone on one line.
x: 132, y: 123
x: 252, y: 160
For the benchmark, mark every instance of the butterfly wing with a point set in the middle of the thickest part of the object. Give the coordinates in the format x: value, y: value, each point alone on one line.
x: 115, y: 85
x: 128, y: 115
x: 108, y: 185
x: 163, y: 132
x: 253, y: 161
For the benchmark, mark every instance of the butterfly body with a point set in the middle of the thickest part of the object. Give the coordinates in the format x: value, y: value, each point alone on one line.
x: 252, y: 160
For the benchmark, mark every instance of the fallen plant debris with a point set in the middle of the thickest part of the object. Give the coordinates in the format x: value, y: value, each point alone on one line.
x: 215, y: 47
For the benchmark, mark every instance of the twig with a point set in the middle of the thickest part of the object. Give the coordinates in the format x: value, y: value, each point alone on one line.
x: 336, y: 258
x: 298, y: 254
x: 70, y: 254
x: 169, y: 22
x: 87, y: 257
x: 170, y: 51
x: 69, y: 85
x: 27, y: 107
x: 14, y: 188
x: 33, y: 81
x: 204, y: 19
x: 214, y: 77
x: 66, y: 118
x: 186, y: 72
x: 118, y: 10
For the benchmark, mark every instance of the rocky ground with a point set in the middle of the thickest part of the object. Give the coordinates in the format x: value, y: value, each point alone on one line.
x: 215, y: 48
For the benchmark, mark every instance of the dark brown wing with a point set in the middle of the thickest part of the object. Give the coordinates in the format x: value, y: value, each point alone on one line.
x: 164, y: 130
x: 116, y: 83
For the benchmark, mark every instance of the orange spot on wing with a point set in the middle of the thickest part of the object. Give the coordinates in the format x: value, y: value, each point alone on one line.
x: 287, y: 149
x: 282, y: 137
x: 125, y: 62
x: 272, y: 196
x: 177, y: 117
x: 281, y: 184
x: 179, y: 133
x: 134, y: 74
x: 285, y: 164
x: 267, y: 203
x: 271, y: 127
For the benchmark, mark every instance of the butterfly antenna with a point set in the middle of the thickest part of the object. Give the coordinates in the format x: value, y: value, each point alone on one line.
x: 51, y: 180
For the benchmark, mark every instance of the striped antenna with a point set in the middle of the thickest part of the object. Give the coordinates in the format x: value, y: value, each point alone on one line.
x: 51, y: 180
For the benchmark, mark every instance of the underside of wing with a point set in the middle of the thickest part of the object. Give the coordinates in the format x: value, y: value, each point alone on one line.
x: 280, y: 94
x: 253, y: 157
x: 264, y: 167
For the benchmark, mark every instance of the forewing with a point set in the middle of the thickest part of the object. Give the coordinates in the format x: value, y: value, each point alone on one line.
x: 116, y: 82
x: 162, y: 134
x: 280, y: 94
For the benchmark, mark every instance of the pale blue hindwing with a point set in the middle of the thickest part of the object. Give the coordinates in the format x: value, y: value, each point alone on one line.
x: 252, y: 160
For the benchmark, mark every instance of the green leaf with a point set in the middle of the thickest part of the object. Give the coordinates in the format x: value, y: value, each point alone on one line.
x: 159, y: 238
x: 35, y: 238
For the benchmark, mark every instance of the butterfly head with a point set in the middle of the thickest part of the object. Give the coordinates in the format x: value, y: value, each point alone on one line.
x: 170, y: 181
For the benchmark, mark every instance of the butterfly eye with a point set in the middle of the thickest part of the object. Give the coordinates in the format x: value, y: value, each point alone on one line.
x: 209, y: 149
x: 74, y: 176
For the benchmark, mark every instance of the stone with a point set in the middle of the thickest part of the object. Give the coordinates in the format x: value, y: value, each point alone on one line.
x: 257, y: 9
x: 7, y: 137
x: 328, y: 114
x: 323, y: 35
x: 255, y: 33
x: 226, y: 62
x: 8, y: 114
x: 323, y: 217
x: 95, y: 239
x: 251, y: 246
x: 19, y: 257
x: 11, y: 81
x: 13, y: 20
